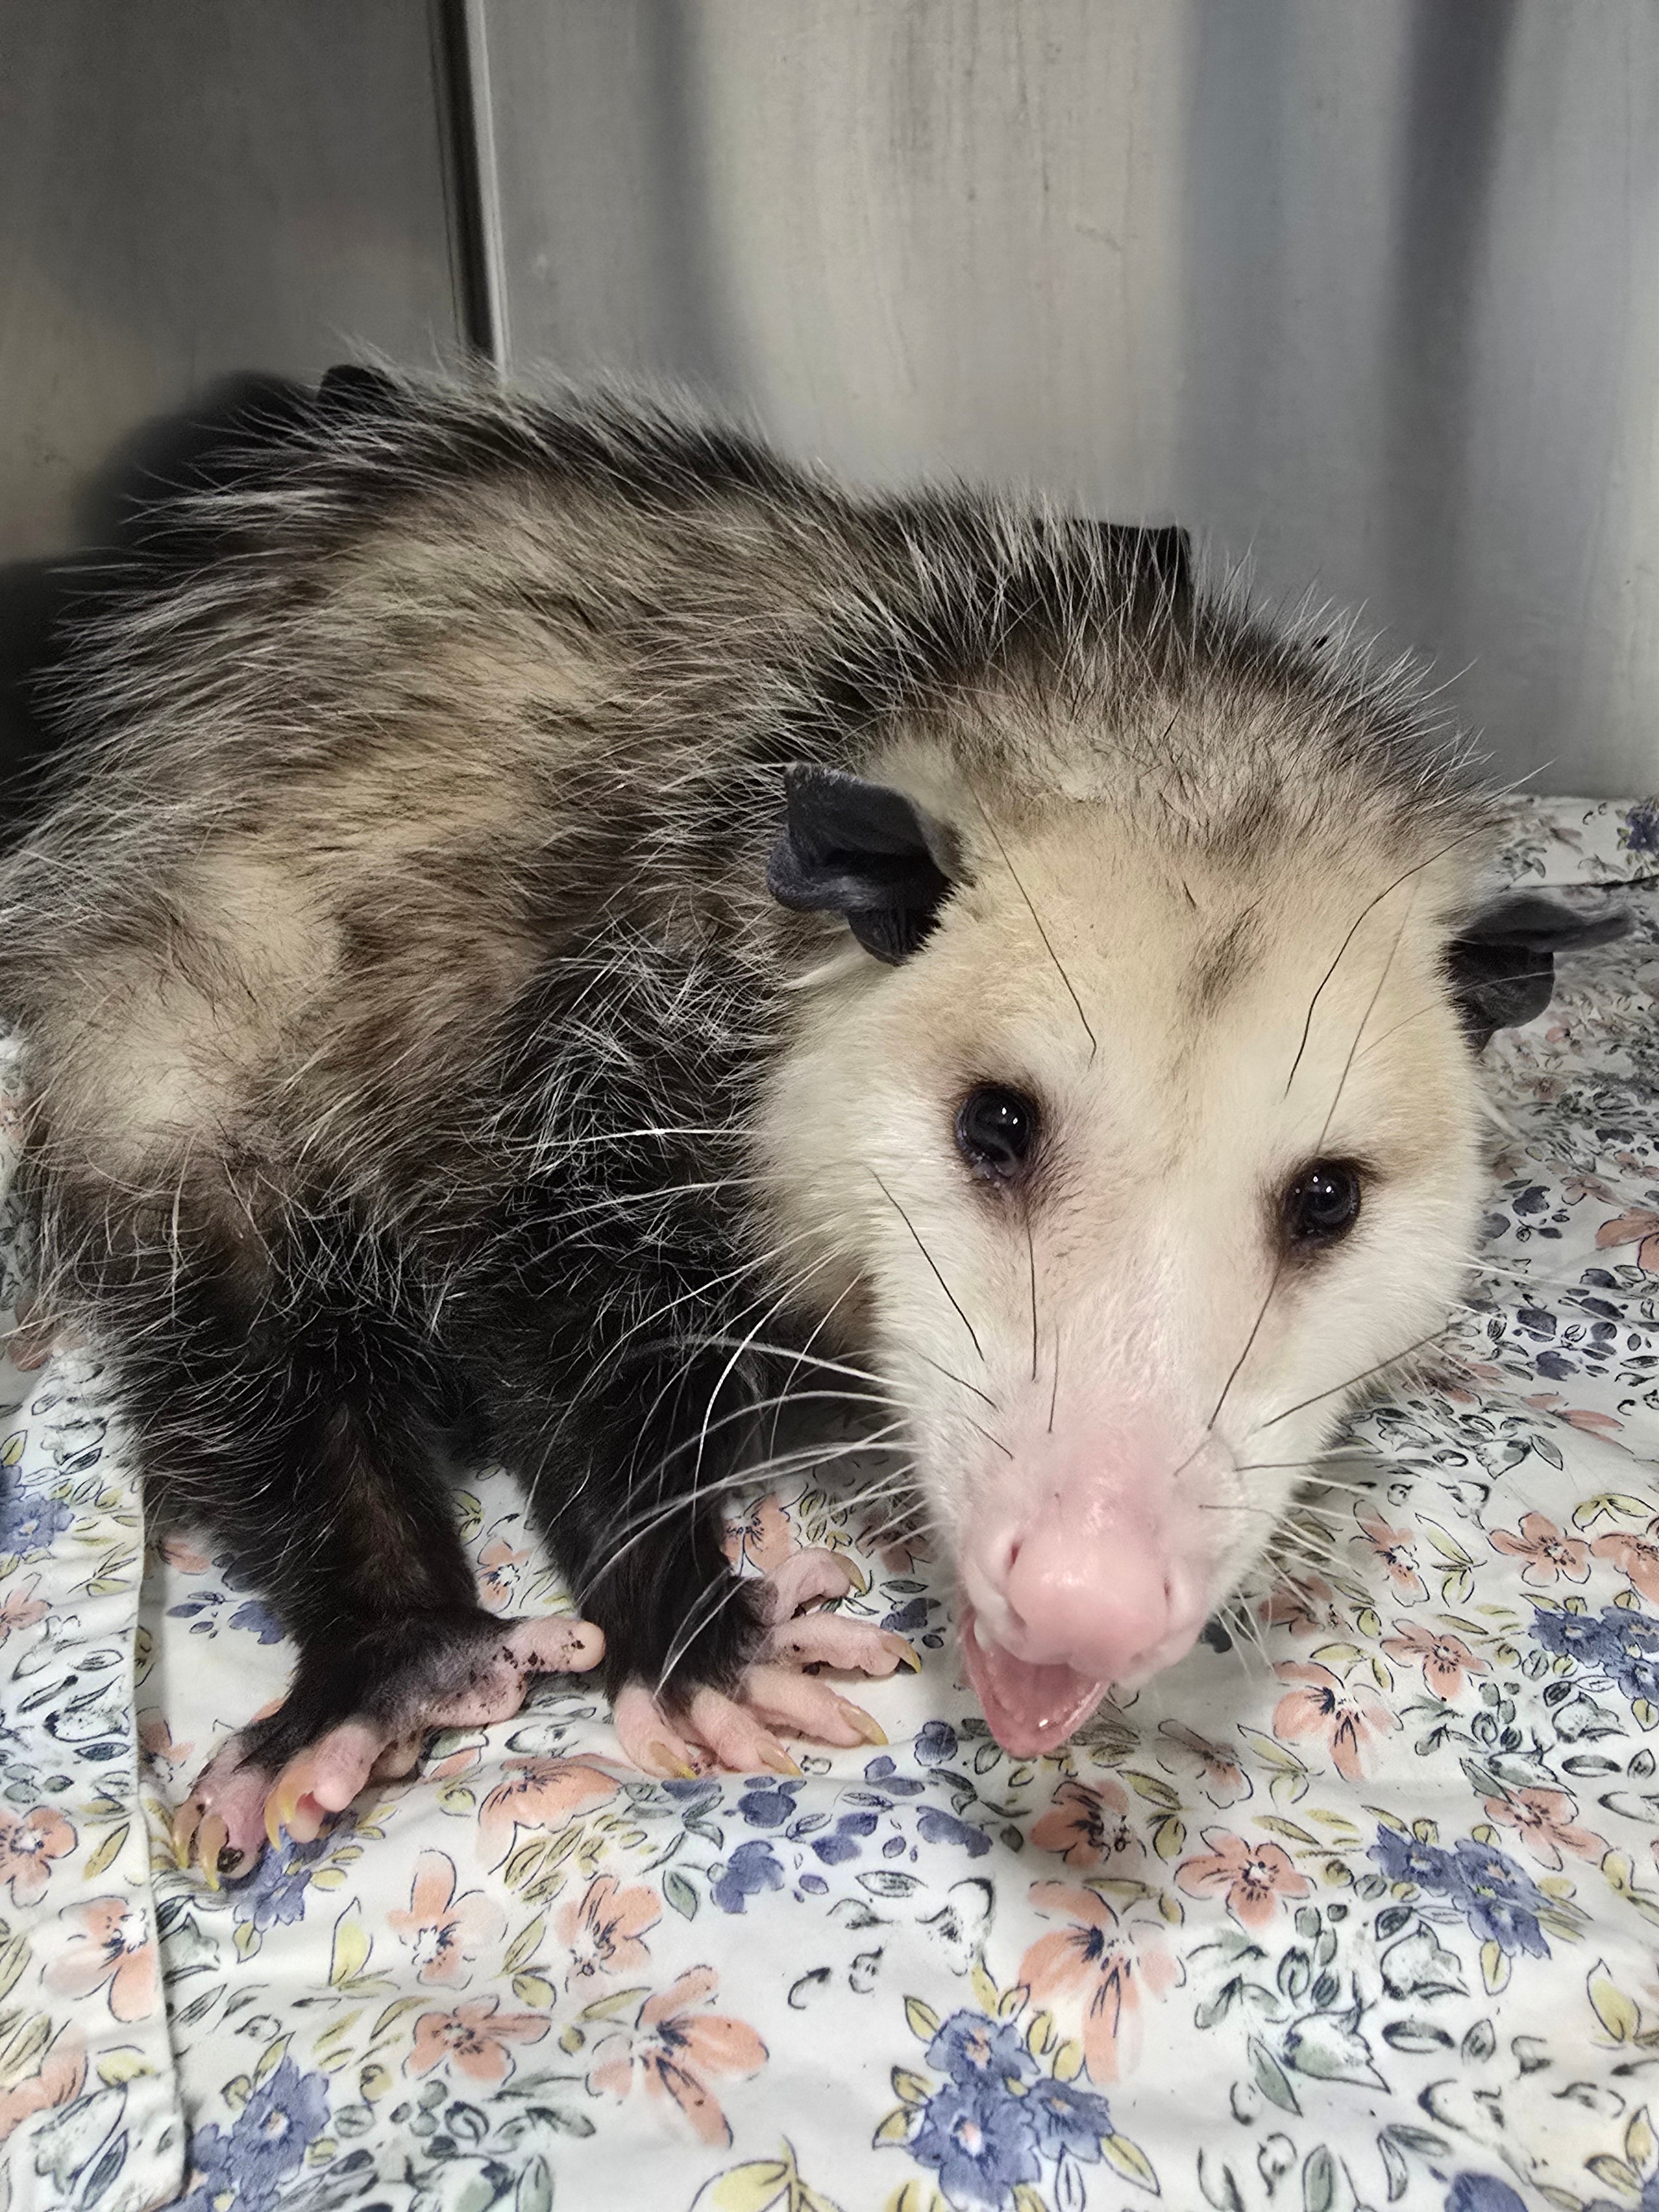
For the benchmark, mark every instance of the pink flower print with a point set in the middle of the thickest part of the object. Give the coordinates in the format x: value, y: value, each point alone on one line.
x: 1576, y: 1417
x: 473, y: 2039
x: 1580, y: 1187
x: 1086, y: 1825
x: 1635, y: 1556
x: 166, y: 1757
x: 59, y: 2076
x: 183, y: 1555
x: 1444, y: 1659
x: 1398, y: 1554
x: 28, y: 1848
x: 603, y: 1931
x: 1344, y: 1719
x: 110, y: 1950
x: 1544, y: 1820
x: 677, y: 2049
x: 760, y: 1539
x: 1099, y: 1963
x: 1253, y: 1877
x: 1640, y: 1227
x: 1214, y: 1768
x: 541, y: 1793
x: 1547, y: 1552
x: 1306, y: 1605
x: 445, y: 1933
x: 20, y: 1608
x: 503, y: 1570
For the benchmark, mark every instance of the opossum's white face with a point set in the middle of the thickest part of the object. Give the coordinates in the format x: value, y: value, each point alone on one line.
x: 1138, y: 1166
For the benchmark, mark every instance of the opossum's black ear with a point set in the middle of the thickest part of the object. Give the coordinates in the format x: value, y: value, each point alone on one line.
x: 1502, y: 959
x: 863, y: 850
x: 1156, y: 565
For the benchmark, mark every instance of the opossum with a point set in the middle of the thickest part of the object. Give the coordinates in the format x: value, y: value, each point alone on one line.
x: 564, y: 931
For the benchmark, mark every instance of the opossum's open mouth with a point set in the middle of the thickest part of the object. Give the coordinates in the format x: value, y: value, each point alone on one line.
x: 1032, y: 1709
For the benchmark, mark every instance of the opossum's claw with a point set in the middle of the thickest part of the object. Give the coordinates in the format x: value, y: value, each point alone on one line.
x: 321, y: 1779
x: 826, y: 1640
x: 807, y: 1577
x: 211, y: 1838
x: 650, y: 1739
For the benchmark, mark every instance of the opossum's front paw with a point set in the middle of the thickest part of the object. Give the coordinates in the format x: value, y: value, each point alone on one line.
x: 710, y: 1728
x: 303, y: 1763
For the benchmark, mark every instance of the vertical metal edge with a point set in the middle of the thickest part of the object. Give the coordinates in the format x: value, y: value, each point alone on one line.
x: 460, y: 49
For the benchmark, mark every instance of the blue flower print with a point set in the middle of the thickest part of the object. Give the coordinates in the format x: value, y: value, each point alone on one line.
x: 241, y: 2168
x: 1632, y: 1651
x: 936, y: 1744
x: 259, y: 1620
x: 1403, y: 1858
x: 971, y: 2048
x: 1621, y: 1642
x: 1641, y: 829
x: 750, y: 1869
x: 1580, y: 1636
x: 274, y: 1894
x: 1482, y: 2192
x: 768, y: 1805
x: 882, y: 1774
x: 843, y: 1841
x: 981, y: 2143
x: 1499, y: 1901
x: 1067, y: 2118
x: 936, y: 1827
x: 28, y: 1520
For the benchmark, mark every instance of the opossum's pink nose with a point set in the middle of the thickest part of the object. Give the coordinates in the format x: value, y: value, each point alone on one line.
x: 1116, y: 1607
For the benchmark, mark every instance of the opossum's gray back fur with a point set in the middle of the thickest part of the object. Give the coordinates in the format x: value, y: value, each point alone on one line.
x: 481, y: 683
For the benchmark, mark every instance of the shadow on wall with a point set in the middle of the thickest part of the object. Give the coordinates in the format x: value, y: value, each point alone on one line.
x: 127, y: 535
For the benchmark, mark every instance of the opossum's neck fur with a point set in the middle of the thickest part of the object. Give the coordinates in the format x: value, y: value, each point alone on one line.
x: 418, y: 844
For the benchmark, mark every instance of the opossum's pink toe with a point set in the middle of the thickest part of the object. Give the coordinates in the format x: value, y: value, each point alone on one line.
x: 807, y: 1707
x: 219, y: 1825
x: 807, y: 1578
x: 323, y: 1778
x: 649, y: 1739
x: 826, y: 1640
x: 556, y: 1646
x: 736, y: 1736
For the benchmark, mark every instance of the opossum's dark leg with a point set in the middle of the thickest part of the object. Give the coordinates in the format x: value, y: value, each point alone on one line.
x: 311, y: 1447
x: 627, y: 1481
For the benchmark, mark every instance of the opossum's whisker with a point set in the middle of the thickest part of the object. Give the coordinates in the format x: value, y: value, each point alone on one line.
x: 1279, y: 1264
x: 1030, y: 1252
x: 988, y: 1437
x: 932, y: 1262
x: 805, y: 1356
x: 1054, y: 1394
x: 633, y: 1526
x: 1301, y: 1405
x: 1478, y: 829
x: 1249, y: 1341
x: 961, y: 1382
x: 1047, y: 946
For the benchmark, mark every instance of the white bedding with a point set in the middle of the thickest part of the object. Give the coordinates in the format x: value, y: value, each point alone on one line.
x: 1368, y: 1916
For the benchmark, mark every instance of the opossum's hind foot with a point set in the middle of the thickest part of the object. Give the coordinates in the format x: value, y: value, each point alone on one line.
x: 303, y: 1763
x: 712, y: 1729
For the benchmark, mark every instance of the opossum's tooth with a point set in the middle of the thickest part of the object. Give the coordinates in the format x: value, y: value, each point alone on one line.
x: 210, y: 1839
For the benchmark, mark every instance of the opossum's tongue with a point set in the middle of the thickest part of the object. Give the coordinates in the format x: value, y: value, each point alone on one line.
x: 1032, y: 1709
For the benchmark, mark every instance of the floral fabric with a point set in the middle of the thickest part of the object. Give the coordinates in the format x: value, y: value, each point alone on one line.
x: 1358, y: 1907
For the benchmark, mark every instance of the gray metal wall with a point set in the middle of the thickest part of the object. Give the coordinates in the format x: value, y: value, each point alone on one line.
x: 1367, y: 289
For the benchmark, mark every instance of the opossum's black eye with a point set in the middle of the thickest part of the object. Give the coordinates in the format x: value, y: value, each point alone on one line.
x: 1322, y: 1204
x: 996, y: 1130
